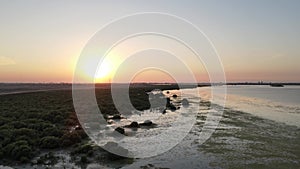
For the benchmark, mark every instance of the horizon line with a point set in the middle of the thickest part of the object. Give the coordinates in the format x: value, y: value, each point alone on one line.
x: 240, y: 82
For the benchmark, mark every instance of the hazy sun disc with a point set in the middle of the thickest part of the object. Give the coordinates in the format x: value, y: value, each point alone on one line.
x: 104, y: 70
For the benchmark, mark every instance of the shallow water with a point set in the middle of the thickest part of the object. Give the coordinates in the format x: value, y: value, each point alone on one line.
x: 278, y: 104
x: 254, y: 140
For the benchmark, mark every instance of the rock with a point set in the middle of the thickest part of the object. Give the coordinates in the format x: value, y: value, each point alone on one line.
x: 185, y: 102
x: 172, y: 107
x: 147, y: 123
x: 110, y: 122
x: 168, y: 101
x: 169, y: 105
x: 133, y: 125
x: 164, y: 111
x: 120, y: 130
x: 117, y: 152
x: 168, y: 92
x: 174, y: 95
x: 116, y: 117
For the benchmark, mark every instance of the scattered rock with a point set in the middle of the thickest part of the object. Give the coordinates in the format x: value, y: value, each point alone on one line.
x: 117, y: 117
x: 114, y: 117
x: 110, y: 122
x: 147, y: 123
x: 171, y: 107
x: 120, y: 130
x: 116, y: 149
x: 185, y: 102
x: 168, y: 100
x: 133, y: 125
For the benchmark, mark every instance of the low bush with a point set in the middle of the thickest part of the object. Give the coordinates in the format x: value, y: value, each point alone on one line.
x: 50, y: 142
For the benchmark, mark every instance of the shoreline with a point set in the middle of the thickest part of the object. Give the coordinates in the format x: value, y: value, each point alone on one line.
x: 239, y: 142
x: 238, y: 131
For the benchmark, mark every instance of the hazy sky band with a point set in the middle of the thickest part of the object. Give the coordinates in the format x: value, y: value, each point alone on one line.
x: 257, y: 40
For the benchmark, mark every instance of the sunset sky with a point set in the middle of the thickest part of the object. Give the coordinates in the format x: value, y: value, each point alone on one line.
x: 40, y: 41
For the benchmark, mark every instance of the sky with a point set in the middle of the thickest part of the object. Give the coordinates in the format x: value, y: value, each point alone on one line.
x: 40, y: 41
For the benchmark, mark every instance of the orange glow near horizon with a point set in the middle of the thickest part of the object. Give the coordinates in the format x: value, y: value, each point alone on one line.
x: 106, y: 69
x: 150, y: 76
x: 52, y: 69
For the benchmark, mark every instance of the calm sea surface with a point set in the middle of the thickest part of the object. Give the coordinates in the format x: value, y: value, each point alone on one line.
x: 281, y: 104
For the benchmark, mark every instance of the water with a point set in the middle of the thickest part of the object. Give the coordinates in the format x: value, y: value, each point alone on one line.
x: 257, y: 129
x: 286, y: 95
x: 278, y: 104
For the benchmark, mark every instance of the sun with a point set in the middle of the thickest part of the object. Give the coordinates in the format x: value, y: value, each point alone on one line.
x: 103, y: 71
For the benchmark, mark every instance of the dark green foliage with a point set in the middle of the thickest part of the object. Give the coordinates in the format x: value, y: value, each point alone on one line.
x: 19, y: 149
x: 4, y: 120
x: 25, y: 132
x: 53, y: 131
x: 5, y: 136
x: 30, y: 140
x: 82, y: 149
x: 49, y: 142
x: 32, y: 122
x: 71, y: 138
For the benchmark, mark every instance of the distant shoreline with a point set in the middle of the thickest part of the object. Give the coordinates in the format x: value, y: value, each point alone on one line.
x: 22, y: 88
x: 142, y: 83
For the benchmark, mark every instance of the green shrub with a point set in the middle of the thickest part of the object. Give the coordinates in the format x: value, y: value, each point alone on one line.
x: 18, y: 124
x: 4, y: 120
x: 25, y: 132
x: 5, y: 136
x: 49, y: 142
x: 38, y: 125
x: 82, y: 149
x: 18, y: 150
x: 30, y: 141
x: 71, y: 138
x: 21, y: 151
x: 52, y: 131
